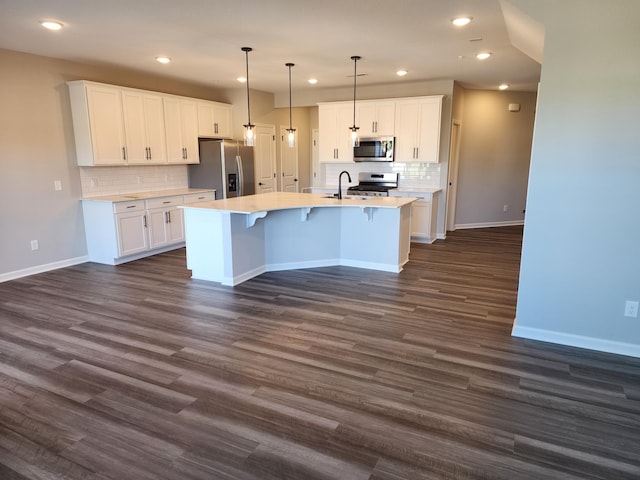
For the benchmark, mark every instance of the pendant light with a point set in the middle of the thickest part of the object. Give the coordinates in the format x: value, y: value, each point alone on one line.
x: 291, y: 132
x: 249, y: 127
x: 355, y: 141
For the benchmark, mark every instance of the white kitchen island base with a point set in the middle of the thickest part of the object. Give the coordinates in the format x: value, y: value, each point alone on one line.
x: 230, y: 241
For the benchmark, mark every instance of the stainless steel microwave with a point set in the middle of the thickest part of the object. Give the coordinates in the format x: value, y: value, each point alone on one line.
x: 375, y: 149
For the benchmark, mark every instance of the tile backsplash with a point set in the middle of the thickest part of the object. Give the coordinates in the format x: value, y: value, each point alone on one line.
x: 413, y: 174
x: 98, y: 181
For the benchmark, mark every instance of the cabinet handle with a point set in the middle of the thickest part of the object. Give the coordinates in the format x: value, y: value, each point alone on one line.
x: 149, y: 153
x: 215, y: 127
x: 166, y: 218
x: 166, y: 201
x: 185, y: 154
x: 131, y: 206
x: 124, y: 154
x: 144, y: 219
x: 417, y: 152
x: 260, y: 183
x: 169, y: 215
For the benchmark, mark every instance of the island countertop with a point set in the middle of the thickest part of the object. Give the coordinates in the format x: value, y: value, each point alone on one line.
x: 262, y: 202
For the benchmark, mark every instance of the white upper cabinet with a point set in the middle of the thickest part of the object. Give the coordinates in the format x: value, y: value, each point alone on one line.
x: 181, y: 130
x: 98, y: 124
x: 417, y: 129
x: 214, y: 120
x: 144, y: 127
x: 335, y: 137
x: 376, y: 118
x: 127, y: 126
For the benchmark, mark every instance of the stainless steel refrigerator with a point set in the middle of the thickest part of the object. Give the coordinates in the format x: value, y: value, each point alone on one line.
x: 225, y: 165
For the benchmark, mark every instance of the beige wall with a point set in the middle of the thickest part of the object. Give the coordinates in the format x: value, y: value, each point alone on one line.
x: 494, y: 158
x: 37, y: 147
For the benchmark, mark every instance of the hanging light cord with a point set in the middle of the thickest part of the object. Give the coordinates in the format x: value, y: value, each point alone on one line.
x: 355, y: 71
x: 246, y: 51
x: 290, y: 121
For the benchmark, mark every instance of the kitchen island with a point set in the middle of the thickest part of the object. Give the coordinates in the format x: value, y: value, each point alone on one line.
x: 232, y: 240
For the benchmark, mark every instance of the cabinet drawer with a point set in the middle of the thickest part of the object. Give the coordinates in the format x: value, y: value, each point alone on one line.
x: 199, y: 197
x: 164, y: 201
x: 122, y: 207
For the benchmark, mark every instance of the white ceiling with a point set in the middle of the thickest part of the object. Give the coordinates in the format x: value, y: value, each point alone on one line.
x: 204, y: 37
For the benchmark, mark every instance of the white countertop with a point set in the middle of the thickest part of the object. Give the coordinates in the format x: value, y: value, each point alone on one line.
x: 127, y: 197
x: 399, y: 189
x: 286, y: 200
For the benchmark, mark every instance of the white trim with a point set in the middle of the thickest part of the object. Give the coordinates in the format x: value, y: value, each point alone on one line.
x: 383, y: 267
x: 590, y: 343
x: 5, y: 277
x: 508, y: 223
x: 238, y: 279
x: 277, y: 267
x: 441, y: 236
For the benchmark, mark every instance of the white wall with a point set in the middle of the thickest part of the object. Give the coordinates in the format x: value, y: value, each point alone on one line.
x: 580, y: 257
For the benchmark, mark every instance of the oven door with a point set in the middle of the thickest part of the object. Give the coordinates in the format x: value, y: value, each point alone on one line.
x: 374, y: 150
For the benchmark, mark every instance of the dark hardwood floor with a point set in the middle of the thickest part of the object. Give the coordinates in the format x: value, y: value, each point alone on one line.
x: 138, y: 372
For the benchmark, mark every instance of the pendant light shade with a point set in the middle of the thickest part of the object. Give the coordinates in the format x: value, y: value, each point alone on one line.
x: 355, y: 140
x: 249, y: 128
x: 291, y: 132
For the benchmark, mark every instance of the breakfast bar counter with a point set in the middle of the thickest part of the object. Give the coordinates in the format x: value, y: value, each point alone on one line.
x: 232, y: 240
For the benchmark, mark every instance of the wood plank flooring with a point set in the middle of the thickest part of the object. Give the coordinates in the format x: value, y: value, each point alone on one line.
x: 138, y: 372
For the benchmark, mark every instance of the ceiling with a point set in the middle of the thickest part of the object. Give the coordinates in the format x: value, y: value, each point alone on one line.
x: 204, y: 38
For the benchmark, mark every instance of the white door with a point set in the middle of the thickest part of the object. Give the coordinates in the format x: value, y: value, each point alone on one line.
x: 288, y: 163
x: 265, y: 158
x: 452, y: 188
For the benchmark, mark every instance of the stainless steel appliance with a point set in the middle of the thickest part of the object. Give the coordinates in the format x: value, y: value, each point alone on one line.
x: 375, y: 149
x: 226, y: 166
x: 374, y: 184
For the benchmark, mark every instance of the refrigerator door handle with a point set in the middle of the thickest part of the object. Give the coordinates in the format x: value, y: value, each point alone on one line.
x: 240, y: 175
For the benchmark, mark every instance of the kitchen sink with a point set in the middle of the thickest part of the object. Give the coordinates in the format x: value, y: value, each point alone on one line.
x: 349, y: 197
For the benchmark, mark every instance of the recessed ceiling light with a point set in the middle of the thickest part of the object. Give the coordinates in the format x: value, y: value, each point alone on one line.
x: 313, y: 81
x: 461, y: 21
x: 483, y: 55
x: 51, y: 25
x: 504, y: 86
x: 241, y: 79
x: 401, y: 73
x: 163, y: 59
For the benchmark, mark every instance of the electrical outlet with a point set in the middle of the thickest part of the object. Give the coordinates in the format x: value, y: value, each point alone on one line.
x: 57, y: 185
x: 505, y: 208
x: 631, y: 309
x: 94, y: 182
x: 34, y: 245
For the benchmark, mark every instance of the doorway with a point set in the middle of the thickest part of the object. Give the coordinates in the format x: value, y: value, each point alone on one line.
x: 265, y: 158
x: 288, y: 163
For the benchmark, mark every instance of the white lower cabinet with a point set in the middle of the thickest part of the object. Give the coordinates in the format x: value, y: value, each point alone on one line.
x: 424, y: 214
x: 119, y: 232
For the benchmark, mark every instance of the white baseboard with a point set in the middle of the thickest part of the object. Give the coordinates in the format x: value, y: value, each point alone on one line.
x: 510, y: 223
x: 590, y: 343
x: 5, y: 277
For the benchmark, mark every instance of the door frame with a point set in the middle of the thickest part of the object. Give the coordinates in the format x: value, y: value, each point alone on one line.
x: 272, y: 154
x: 454, y: 164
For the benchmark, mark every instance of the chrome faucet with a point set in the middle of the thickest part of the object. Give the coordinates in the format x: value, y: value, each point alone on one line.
x: 340, y: 183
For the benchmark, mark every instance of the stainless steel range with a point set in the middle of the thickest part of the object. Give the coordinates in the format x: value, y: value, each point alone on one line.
x: 374, y: 184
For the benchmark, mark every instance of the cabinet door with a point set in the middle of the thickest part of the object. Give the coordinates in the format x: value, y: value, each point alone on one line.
x: 175, y: 225
x: 429, y: 131
x: 158, y: 227
x: 420, y: 219
x: 132, y: 233
x: 222, y: 121
x: 327, y: 125
x: 385, y: 118
x: 189, y: 117
x: 344, y: 121
x: 173, y: 130
x: 406, y: 128
x: 106, y: 126
x: 133, y: 110
x: 366, y: 119
x: 154, y: 129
